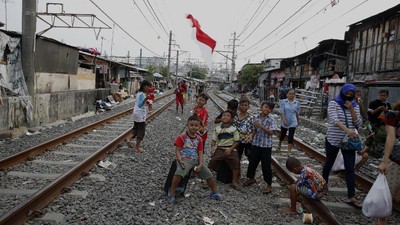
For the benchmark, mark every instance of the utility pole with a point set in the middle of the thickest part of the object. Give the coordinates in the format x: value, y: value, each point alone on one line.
x: 233, y: 57
x: 28, y: 44
x: 127, y: 60
x: 140, y: 59
x: 177, y: 64
x: 169, y: 54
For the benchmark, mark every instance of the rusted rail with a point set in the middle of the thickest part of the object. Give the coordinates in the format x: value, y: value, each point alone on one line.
x: 39, y: 149
x: 26, y: 210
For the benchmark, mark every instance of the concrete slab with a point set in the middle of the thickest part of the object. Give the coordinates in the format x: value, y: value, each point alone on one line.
x: 52, y: 218
x: 33, y: 175
x: 341, y: 207
x: 84, y: 146
x: 77, y: 194
x: 70, y: 154
x: 97, y: 177
x: 18, y: 191
x: 67, y: 163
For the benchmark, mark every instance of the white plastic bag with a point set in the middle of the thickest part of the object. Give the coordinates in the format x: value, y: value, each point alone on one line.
x: 378, y: 202
x: 339, y: 162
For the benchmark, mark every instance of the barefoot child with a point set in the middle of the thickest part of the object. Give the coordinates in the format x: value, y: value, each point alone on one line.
x: 139, y: 116
x: 189, y: 155
x: 310, y: 183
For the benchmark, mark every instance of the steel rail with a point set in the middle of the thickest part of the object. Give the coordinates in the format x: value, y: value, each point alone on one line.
x: 316, y: 207
x: 362, y: 181
x: 26, y: 210
x: 39, y: 149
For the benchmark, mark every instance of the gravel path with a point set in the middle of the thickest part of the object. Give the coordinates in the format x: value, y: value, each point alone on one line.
x: 132, y: 190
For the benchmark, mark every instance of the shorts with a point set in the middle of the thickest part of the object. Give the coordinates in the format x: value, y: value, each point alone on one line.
x: 291, y: 134
x: 139, y: 130
x: 179, y: 101
x: 204, y: 174
x: 219, y: 156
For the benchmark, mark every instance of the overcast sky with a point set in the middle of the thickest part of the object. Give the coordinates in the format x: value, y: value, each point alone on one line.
x: 279, y: 28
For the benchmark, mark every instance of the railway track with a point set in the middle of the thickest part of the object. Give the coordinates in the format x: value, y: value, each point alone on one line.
x: 331, y: 210
x: 47, y: 170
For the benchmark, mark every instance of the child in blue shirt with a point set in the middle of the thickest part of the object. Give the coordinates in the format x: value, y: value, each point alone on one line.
x: 265, y: 126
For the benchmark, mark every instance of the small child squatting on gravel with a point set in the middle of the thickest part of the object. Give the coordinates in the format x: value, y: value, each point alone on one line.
x: 189, y: 155
x: 310, y: 184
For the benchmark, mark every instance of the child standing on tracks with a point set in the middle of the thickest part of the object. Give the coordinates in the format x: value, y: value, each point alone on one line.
x: 232, y: 107
x: 289, y: 110
x: 140, y: 116
x: 243, y: 121
x: 310, y: 184
x: 189, y: 155
x: 179, y: 96
x: 201, y: 111
x: 225, y: 139
x: 265, y: 126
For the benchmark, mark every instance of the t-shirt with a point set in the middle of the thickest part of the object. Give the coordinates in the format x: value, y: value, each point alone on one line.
x: 290, y: 110
x: 179, y: 93
x: 190, y: 146
x: 225, y: 136
x: 392, y: 118
x: 140, y: 111
x: 203, y: 115
x: 245, y: 127
x: 311, y: 184
x: 374, y: 105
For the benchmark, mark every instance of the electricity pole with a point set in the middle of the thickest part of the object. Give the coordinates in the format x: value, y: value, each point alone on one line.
x: 28, y: 44
x: 169, y: 54
x: 233, y: 57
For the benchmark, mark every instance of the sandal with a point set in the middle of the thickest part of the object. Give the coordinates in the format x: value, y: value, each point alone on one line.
x: 249, y: 182
x: 140, y: 150
x: 129, y: 144
x: 235, y: 186
x: 171, y: 200
x: 216, y: 196
x: 354, y: 203
x: 267, y: 190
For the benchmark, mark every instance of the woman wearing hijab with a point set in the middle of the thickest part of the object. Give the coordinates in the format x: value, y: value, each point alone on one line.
x: 339, y: 108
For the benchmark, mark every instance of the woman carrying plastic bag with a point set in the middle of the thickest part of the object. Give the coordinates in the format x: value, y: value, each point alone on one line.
x: 391, y: 169
x: 378, y: 202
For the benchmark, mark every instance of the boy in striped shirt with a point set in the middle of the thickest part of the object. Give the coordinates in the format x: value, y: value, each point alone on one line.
x: 225, y: 139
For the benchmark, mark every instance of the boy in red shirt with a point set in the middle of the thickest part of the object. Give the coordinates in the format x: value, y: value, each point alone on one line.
x: 179, y: 96
x: 201, y: 111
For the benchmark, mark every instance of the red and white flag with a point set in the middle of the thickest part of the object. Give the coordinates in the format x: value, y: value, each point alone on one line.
x: 206, y: 43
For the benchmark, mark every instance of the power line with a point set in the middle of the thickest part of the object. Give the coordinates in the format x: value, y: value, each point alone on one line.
x: 123, y: 29
x: 162, y: 17
x: 278, y: 26
x: 338, y: 17
x: 287, y: 34
x: 243, y: 12
x: 260, y: 23
x: 140, y: 10
x: 252, y: 17
x: 154, y: 15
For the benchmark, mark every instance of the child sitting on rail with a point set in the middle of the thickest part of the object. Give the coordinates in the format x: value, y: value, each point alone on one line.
x: 139, y: 116
x: 189, y: 155
x: 225, y: 139
x: 310, y: 184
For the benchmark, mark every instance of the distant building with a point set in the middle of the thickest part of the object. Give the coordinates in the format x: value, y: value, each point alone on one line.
x: 374, y: 50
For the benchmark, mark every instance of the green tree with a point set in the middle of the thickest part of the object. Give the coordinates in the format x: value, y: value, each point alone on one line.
x: 250, y: 74
x: 198, y: 72
x: 163, y: 71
